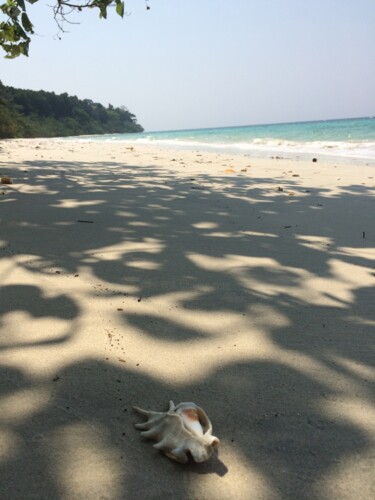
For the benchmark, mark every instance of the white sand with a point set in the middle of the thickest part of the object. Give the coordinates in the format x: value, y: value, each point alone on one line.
x: 244, y: 285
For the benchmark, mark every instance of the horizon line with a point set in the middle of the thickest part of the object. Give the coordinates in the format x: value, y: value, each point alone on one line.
x: 258, y: 124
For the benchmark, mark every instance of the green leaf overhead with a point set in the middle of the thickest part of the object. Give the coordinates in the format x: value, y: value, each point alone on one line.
x: 16, y: 25
x: 26, y: 23
x: 120, y: 8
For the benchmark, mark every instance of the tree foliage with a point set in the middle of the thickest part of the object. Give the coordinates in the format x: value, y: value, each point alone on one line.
x: 30, y: 113
x: 16, y: 26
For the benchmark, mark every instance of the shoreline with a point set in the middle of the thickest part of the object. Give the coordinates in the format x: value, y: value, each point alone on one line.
x: 221, y: 140
x: 137, y: 275
x: 267, y: 153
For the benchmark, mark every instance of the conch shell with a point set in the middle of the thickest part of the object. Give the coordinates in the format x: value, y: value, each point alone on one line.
x: 183, y: 429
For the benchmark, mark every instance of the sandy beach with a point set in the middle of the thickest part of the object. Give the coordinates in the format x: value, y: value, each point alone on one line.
x: 136, y: 275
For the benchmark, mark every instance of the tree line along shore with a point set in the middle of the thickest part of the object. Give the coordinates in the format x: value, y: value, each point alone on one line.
x: 30, y: 113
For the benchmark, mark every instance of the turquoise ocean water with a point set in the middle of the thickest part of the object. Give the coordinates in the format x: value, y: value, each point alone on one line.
x: 334, y: 139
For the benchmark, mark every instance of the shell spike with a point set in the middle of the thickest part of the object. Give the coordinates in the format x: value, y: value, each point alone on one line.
x: 172, y: 406
x: 162, y: 445
x: 151, y: 433
x: 140, y: 411
x: 142, y: 426
x: 215, y: 442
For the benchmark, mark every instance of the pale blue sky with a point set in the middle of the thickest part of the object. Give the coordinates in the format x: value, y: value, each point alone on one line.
x: 204, y: 63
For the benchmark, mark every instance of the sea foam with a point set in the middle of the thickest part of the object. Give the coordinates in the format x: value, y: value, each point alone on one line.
x: 338, y: 140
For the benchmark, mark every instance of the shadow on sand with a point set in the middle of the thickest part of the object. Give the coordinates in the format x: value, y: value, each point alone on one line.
x: 244, y: 251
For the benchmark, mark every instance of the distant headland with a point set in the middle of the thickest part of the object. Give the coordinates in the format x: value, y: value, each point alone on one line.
x: 30, y: 113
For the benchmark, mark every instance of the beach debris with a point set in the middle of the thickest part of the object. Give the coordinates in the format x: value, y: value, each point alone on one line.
x: 229, y: 171
x: 243, y: 169
x: 184, y: 429
x: 279, y: 189
x: 6, y: 180
x: 314, y: 160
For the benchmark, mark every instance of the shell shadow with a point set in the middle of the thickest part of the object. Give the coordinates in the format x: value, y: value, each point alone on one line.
x: 213, y: 466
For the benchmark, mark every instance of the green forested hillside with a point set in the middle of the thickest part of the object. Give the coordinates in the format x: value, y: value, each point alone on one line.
x: 30, y: 113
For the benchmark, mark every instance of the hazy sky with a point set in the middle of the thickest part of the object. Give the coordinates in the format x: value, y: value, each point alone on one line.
x: 204, y: 63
